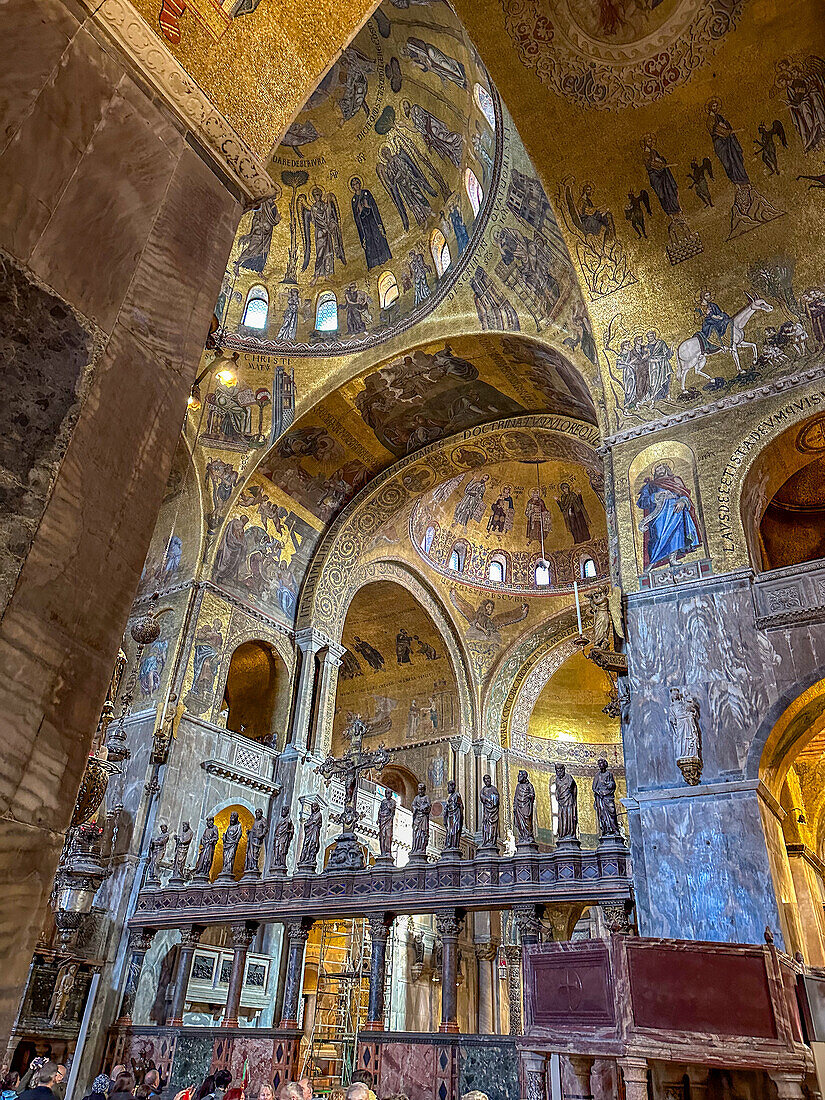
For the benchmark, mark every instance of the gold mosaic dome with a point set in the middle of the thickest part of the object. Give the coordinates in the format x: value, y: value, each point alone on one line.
x: 383, y: 186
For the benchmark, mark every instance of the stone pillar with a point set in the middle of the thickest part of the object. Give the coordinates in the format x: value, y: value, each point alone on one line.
x: 580, y: 1067
x: 634, y: 1072
x: 534, y: 1068
x: 512, y: 953
x: 449, y: 927
x: 140, y: 940
x: 189, y: 939
x: 486, y: 954
x: 327, y: 690
x: 379, y: 925
x: 242, y: 937
x: 788, y: 1085
x: 527, y: 919
x: 309, y: 641
x: 297, y: 932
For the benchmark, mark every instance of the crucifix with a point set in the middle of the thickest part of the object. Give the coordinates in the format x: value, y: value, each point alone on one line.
x: 346, y: 854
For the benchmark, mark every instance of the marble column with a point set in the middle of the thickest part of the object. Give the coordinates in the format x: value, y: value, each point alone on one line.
x: 189, y: 939
x: 512, y: 953
x: 309, y: 641
x: 486, y: 954
x: 634, y: 1072
x: 297, y: 932
x: 449, y: 927
x: 379, y: 926
x: 788, y: 1085
x: 328, y: 687
x: 140, y: 940
x: 528, y: 921
x: 580, y: 1068
x: 535, y: 1075
x: 242, y: 937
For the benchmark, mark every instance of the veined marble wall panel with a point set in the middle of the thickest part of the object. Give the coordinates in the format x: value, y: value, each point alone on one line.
x: 708, y: 875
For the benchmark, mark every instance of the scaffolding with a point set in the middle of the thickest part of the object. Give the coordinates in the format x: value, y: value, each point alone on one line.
x: 341, y: 1002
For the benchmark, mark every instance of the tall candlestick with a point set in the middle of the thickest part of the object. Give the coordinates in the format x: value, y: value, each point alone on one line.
x: 578, y: 605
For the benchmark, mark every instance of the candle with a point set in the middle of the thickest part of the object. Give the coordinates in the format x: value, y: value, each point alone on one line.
x: 578, y: 605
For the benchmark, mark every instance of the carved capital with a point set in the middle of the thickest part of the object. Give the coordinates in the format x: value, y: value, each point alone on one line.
x: 140, y: 940
x: 449, y: 925
x: 486, y: 952
x: 379, y: 925
x: 616, y: 916
x: 297, y: 931
x: 190, y: 936
x: 528, y: 919
x: 243, y: 935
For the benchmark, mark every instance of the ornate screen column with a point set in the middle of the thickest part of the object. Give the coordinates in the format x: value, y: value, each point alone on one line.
x: 189, y: 939
x: 449, y: 927
x: 297, y: 932
x: 379, y: 925
x: 140, y: 940
x: 309, y: 641
x: 242, y: 937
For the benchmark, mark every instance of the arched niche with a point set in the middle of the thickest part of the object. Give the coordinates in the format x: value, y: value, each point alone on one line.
x: 256, y: 693
x: 402, y: 781
x: 783, y: 498
x: 792, y: 769
x: 398, y: 674
x: 222, y: 817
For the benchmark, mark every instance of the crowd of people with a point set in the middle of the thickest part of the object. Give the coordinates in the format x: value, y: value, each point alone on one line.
x: 46, y: 1080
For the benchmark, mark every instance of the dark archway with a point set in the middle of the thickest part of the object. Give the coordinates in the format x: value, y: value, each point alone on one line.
x: 255, y: 684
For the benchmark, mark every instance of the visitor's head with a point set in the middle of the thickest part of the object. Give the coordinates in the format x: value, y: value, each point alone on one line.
x: 11, y: 1081
x: 100, y: 1085
x: 265, y: 1093
x: 152, y: 1079
x: 223, y: 1079
x: 358, y: 1091
x: 124, y: 1082
x: 362, y: 1077
x: 290, y: 1090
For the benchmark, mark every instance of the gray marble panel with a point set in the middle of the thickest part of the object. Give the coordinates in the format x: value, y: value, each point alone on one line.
x: 489, y: 1066
x: 193, y: 1057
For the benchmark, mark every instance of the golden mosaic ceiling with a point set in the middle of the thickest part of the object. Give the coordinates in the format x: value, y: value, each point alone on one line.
x: 383, y: 185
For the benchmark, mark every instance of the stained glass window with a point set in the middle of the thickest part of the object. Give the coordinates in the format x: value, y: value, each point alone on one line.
x: 485, y: 105
x: 440, y: 251
x: 473, y: 189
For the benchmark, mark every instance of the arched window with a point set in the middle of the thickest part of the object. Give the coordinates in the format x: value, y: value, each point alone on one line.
x: 589, y: 569
x: 427, y: 541
x: 473, y: 189
x: 440, y: 251
x: 256, y: 309
x: 485, y: 105
x: 387, y: 290
x: 497, y: 569
x: 542, y: 574
x: 457, y: 556
x: 326, y: 312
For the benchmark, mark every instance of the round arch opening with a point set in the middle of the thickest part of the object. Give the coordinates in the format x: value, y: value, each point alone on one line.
x: 256, y: 692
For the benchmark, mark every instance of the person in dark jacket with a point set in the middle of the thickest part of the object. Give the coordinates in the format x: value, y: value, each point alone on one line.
x: 50, y: 1075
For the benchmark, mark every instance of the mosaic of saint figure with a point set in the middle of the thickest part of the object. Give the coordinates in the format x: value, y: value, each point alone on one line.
x: 324, y: 217
x: 670, y: 527
x: 370, y: 225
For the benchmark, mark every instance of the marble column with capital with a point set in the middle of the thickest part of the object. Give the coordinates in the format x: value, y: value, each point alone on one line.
x: 486, y: 955
x: 140, y: 940
x: 189, y: 939
x: 449, y: 926
x: 527, y: 919
x: 327, y: 691
x: 242, y: 937
x: 309, y: 642
x: 634, y: 1073
x: 297, y: 933
x: 379, y: 926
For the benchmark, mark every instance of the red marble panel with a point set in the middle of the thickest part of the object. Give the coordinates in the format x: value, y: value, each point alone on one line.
x: 408, y: 1068
x: 717, y: 992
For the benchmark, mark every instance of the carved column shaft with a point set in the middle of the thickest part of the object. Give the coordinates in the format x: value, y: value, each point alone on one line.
x: 297, y: 932
x: 189, y: 938
x: 327, y: 690
x: 139, y: 943
x: 512, y: 953
x: 486, y: 953
x: 449, y: 927
x: 634, y: 1072
x: 309, y: 643
x: 242, y: 937
x: 379, y: 934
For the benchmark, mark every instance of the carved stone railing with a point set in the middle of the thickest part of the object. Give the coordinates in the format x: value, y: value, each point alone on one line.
x: 792, y: 596
x: 237, y: 758
x: 600, y: 876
